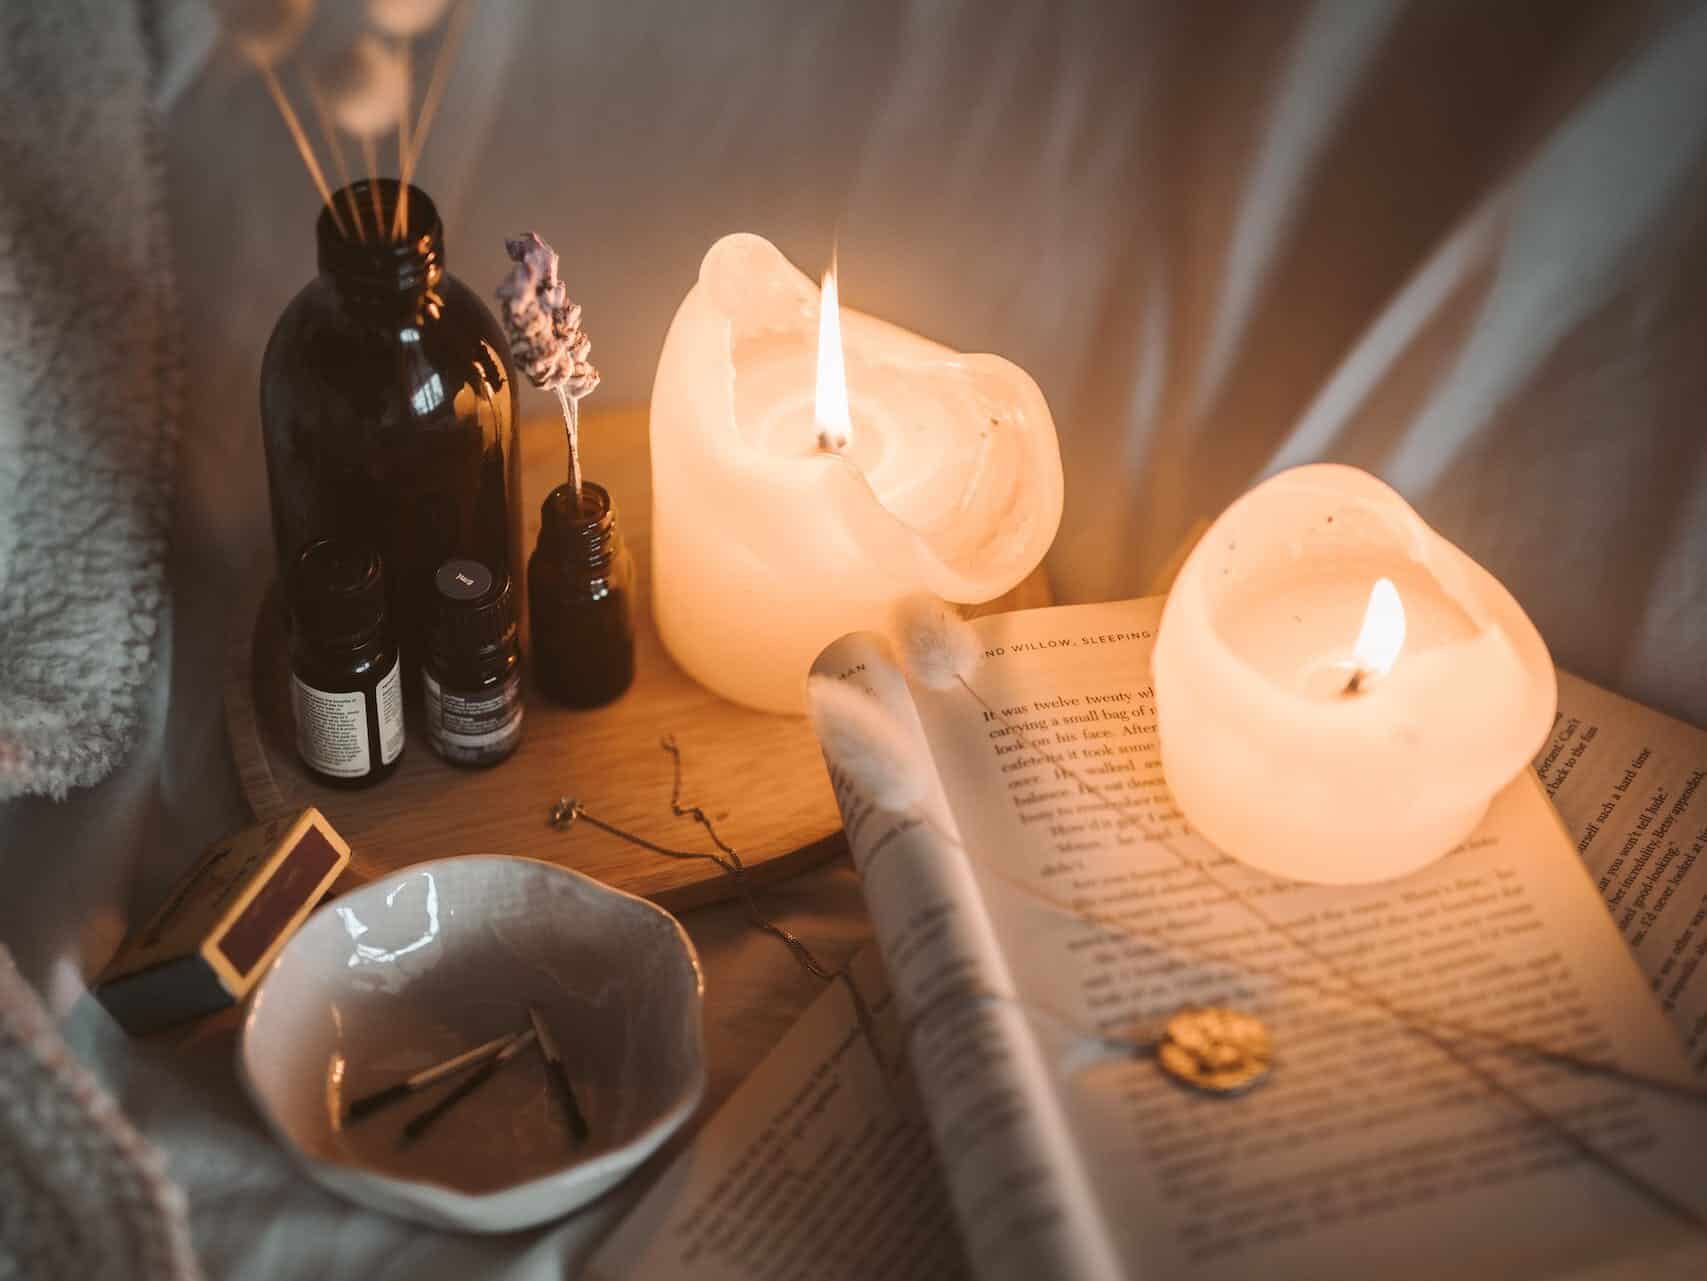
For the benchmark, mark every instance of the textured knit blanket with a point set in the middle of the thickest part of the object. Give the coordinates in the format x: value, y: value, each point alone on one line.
x: 82, y: 1195
x: 88, y: 390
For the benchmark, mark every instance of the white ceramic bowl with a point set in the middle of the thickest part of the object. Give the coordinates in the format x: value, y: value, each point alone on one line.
x: 407, y: 971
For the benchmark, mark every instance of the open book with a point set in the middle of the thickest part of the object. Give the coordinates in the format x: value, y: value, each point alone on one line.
x: 1023, y: 921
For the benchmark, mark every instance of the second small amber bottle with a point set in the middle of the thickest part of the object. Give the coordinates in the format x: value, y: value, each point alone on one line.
x: 580, y: 600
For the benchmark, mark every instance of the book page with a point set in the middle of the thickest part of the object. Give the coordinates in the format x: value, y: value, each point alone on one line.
x: 1370, y: 1150
x: 1628, y: 782
x: 818, y: 1166
x: 1020, y: 1193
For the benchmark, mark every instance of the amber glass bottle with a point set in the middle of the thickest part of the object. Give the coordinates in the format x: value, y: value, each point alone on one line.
x: 580, y: 600
x: 471, y: 677
x: 345, y: 694
x: 388, y: 412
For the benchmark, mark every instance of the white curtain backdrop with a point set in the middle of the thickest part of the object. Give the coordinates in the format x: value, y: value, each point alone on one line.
x: 1457, y: 243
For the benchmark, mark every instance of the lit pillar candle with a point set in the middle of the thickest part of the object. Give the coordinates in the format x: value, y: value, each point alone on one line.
x: 1340, y: 691
x: 782, y: 520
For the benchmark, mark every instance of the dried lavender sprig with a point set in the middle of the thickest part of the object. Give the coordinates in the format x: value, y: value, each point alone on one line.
x: 546, y: 337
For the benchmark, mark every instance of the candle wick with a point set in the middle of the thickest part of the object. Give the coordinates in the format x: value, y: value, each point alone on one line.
x: 832, y: 440
x: 1355, y: 684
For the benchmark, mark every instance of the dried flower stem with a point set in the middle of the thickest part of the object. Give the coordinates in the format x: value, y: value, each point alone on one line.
x: 572, y: 429
x: 271, y: 80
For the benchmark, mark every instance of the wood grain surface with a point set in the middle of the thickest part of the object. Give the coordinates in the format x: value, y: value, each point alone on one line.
x: 759, y: 776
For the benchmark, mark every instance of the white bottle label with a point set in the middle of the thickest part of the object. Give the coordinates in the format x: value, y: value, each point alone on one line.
x: 331, y: 729
x: 473, y: 729
x: 391, y: 714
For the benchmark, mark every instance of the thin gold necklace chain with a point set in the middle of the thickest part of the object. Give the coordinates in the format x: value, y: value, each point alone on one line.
x: 567, y: 810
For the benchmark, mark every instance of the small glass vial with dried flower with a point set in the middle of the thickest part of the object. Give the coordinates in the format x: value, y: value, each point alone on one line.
x: 471, y: 675
x: 580, y: 600
x: 346, y: 684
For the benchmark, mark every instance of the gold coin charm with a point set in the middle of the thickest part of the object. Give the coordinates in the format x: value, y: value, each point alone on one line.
x: 1216, y: 1050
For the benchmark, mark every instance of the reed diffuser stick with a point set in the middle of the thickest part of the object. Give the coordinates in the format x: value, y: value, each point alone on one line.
x: 330, y: 134
x: 436, y: 84
x: 365, y: 94
x: 400, y: 215
x: 271, y: 80
x: 370, y: 157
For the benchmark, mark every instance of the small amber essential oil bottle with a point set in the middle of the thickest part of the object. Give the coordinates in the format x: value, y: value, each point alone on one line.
x: 471, y: 678
x: 580, y: 590
x: 345, y: 682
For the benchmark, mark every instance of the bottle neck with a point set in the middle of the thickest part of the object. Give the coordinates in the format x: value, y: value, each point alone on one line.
x: 345, y: 647
x: 363, y: 262
x: 337, y: 596
x: 584, y: 541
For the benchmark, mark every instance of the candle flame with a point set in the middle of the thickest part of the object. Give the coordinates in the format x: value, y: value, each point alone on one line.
x: 830, y: 408
x: 1383, y: 633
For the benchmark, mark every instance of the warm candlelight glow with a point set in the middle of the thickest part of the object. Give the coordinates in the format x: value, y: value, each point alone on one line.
x: 775, y: 528
x: 1310, y: 758
x: 830, y: 408
x: 1383, y: 633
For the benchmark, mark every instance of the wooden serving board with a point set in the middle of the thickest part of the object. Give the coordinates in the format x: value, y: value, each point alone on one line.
x: 759, y: 776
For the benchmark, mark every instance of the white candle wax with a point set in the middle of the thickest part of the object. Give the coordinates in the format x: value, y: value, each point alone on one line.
x: 767, y: 547
x: 1265, y: 749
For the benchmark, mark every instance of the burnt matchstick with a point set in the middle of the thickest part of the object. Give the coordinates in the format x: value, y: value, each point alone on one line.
x: 559, y: 1075
x: 419, y: 1125
x: 426, y: 1078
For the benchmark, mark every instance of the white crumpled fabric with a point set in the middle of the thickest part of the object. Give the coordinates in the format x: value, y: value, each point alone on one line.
x: 81, y: 1193
x: 89, y: 382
